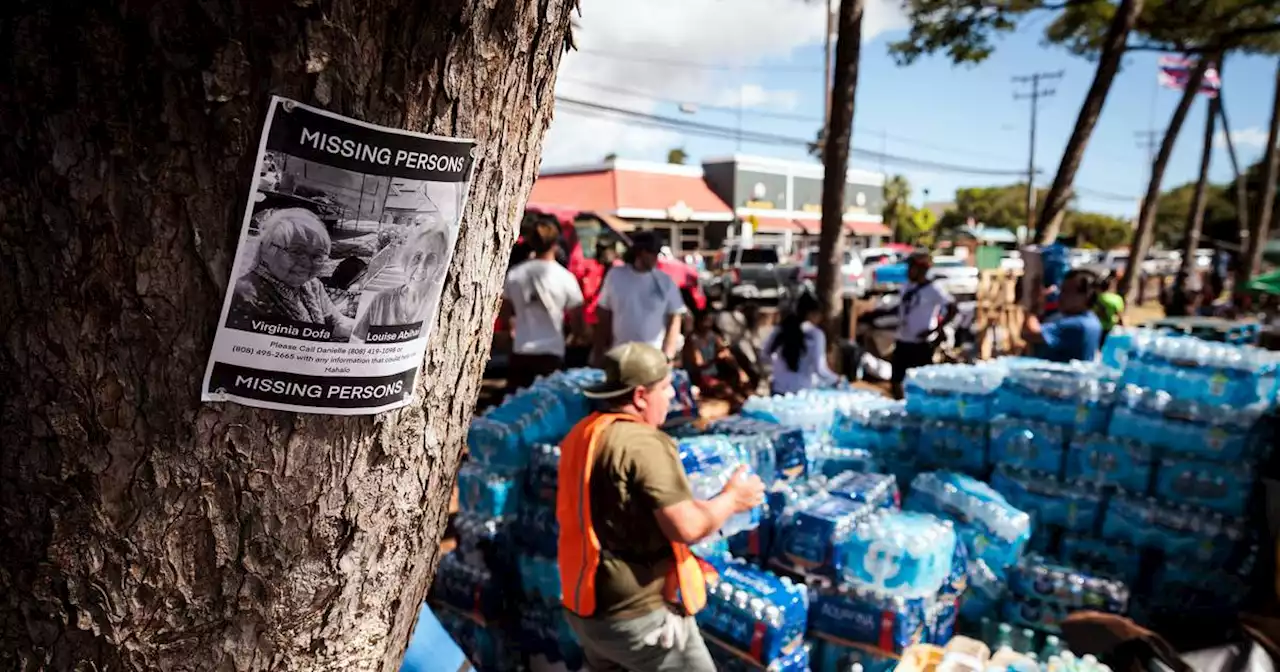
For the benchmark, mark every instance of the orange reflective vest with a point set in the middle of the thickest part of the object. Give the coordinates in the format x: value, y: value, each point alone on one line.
x: 579, y: 548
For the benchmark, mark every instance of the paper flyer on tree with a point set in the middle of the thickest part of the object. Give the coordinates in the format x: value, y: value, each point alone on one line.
x: 347, y: 235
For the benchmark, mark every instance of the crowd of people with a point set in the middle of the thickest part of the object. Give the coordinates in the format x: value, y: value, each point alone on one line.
x: 626, y: 510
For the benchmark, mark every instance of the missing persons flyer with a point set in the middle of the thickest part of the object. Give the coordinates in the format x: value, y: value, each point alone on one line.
x: 346, y: 240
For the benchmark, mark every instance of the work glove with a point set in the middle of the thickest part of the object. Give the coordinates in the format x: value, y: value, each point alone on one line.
x: 673, y: 632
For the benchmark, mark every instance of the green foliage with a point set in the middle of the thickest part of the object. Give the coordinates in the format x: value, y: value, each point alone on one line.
x: 610, y: 156
x: 1174, y: 25
x: 1001, y: 207
x: 1097, y: 230
x: 677, y: 156
x: 921, y: 227
x: 897, y: 206
x: 963, y: 29
x: 1219, y: 214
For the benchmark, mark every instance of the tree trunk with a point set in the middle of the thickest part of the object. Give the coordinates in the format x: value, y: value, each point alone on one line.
x: 1242, y: 189
x: 142, y: 529
x: 1195, y: 218
x: 1258, y: 232
x: 1147, y: 213
x: 844, y: 86
x: 1113, y: 47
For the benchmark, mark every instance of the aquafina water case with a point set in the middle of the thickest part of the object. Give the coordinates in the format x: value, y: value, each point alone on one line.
x: 1075, y: 506
x: 1107, y: 461
x: 761, y: 615
x: 486, y: 493
x: 899, y: 553
x: 953, y: 391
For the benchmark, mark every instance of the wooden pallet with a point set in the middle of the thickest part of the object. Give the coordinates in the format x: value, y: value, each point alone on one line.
x: 998, y: 320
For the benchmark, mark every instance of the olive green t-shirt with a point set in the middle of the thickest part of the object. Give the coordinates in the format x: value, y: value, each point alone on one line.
x: 637, y: 471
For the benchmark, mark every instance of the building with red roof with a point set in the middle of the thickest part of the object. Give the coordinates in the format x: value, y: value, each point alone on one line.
x: 752, y: 200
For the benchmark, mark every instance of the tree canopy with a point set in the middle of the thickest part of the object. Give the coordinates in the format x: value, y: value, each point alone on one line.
x: 1005, y: 207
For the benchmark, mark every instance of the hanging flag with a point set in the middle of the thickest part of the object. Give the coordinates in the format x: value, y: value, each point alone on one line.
x: 1176, y: 70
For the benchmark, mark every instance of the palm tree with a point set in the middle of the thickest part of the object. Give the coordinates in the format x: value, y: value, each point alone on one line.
x: 1261, y: 224
x: 1113, y: 46
x: 897, y: 195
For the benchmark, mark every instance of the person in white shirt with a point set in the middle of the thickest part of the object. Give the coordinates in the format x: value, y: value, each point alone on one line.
x: 539, y: 292
x: 924, y: 310
x: 798, y: 349
x: 640, y: 303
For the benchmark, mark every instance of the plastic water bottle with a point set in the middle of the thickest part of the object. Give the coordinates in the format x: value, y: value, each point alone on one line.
x: 898, y: 553
x: 755, y: 611
x: 992, y: 528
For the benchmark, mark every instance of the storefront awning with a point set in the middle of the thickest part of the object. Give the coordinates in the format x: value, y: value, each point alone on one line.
x: 867, y: 229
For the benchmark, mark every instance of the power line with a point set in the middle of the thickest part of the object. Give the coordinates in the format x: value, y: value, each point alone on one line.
x: 715, y: 131
x: 1035, y: 95
x: 694, y: 65
x: 649, y: 95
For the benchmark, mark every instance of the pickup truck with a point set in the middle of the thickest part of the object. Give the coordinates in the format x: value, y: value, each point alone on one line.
x: 755, y: 274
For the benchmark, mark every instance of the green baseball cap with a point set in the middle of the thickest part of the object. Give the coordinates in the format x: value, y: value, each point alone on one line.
x: 627, y: 367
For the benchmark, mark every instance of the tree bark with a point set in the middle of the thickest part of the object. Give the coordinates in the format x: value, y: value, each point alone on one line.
x: 1195, y: 217
x: 142, y: 529
x: 1147, y: 213
x: 844, y: 86
x: 1113, y: 47
x: 1260, y: 227
x: 1242, y: 189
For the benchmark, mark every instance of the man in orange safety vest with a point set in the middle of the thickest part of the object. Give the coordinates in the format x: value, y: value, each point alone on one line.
x: 627, y: 516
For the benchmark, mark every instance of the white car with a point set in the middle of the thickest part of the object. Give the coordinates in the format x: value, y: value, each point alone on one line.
x: 853, y: 278
x: 954, y: 275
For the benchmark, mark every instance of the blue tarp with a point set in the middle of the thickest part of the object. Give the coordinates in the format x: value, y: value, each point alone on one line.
x: 431, y: 649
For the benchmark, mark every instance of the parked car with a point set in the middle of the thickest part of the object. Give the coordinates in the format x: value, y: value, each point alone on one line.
x: 755, y: 274
x: 955, y: 275
x: 852, y: 276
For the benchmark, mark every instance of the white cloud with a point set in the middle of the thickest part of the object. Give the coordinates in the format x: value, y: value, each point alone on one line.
x: 624, y: 44
x: 755, y: 95
x: 1253, y: 137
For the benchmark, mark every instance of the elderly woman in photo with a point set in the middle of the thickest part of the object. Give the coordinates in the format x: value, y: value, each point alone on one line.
x: 421, y: 257
x: 283, y: 284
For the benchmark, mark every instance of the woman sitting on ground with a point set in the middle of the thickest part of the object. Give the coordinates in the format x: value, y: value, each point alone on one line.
x: 712, y: 366
x: 798, y: 349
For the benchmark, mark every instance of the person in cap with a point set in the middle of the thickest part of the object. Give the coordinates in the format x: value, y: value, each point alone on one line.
x: 639, y: 303
x: 1073, y: 332
x: 924, y: 310
x: 627, y: 516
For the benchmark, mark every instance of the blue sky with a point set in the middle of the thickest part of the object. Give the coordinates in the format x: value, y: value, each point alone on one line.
x: 930, y: 110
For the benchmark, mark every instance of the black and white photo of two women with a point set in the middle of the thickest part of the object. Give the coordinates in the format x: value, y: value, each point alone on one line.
x: 348, y: 256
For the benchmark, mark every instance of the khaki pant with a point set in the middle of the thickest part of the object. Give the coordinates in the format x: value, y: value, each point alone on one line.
x: 610, y: 646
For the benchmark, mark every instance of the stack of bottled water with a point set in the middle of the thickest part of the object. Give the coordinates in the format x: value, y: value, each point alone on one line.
x: 782, y: 501
x: 1108, y: 462
x: 727, y: 660
x: 1211, y: 374
x: 484, y: 644
x: 899, y: 554
x: 541, y: 413
x: 1072, y: 506
x: 874, y: 619
x: 1223, y: 487
x: 878, y: 490
x: 1041, y: 594
x: 1222, y: 433
x: 879, y: 425
x: 818, y: 530
x: 953, y: 391
x: 828, y: 459
x: 954, y: 446
x: 780, y: 452
x: 1037, y: 445
x: 1072, y: 396
x: 811, y: 410
x: 488, y: 494
x: 991, y: 528
x: 467, y: 588
x: 1189, y: 534
x: 543, y: 631
x: 1105, y: 557
x: 710, y: 461
x: 761, y: 616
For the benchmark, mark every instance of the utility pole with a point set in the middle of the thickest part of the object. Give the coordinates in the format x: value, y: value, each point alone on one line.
x: 1150, y: 141
x: 1036, y: 93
